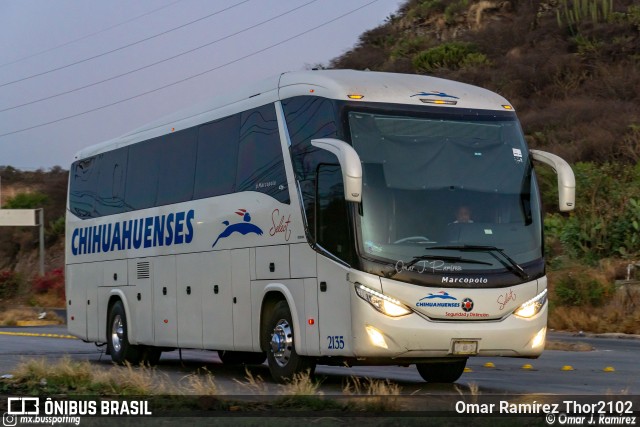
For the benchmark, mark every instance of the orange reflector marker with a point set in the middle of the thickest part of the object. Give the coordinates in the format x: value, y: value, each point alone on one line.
x: 438, y: 101
x: 311, y: 321
x: 355, y: 96
x: 166, y: 321
x: 507, y: 107
x: 311, y: 90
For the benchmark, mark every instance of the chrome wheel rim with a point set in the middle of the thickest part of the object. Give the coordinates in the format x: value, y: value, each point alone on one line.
x: 282, y: 342
x: 117, y: 333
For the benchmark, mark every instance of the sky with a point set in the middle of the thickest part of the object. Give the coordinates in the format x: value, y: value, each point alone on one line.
x: 75, y: 73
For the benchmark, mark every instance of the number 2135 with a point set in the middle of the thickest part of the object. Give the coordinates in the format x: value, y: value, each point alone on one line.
x: 336, y: 342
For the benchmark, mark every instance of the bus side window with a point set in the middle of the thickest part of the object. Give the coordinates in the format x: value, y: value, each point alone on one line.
x: 217, y: 158
x: 260, y: 161
x: 143, y: 174
x: 160, y: 170
x: 110, y: 184
x: 83, y: 175
x: 177, y: 161
x: 97, y: 185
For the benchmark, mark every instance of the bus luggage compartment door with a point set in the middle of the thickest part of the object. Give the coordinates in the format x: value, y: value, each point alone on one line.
x: 241, y: 285
x: 217, y: 303
x: 165, y: 316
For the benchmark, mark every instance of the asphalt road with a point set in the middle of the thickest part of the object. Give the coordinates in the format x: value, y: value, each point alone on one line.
x: 507, y: 375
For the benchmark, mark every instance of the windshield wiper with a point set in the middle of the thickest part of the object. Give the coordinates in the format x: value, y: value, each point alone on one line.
x: 511, y: 264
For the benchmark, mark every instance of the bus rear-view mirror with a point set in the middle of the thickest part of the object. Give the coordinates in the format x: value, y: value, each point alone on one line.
x: 349, y: 163
x: 566, y: 179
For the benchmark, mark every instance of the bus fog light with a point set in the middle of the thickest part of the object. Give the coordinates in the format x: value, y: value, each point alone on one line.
x: 533, y: 306
x: 376, y: 337
x: 538, y: 340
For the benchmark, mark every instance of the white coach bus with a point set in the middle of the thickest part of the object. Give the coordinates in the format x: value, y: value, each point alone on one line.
x: 320, y: 217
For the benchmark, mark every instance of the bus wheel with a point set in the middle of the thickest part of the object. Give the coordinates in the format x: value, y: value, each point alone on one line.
x: 241, y: 357
x: 283, y: 360
x: 118, y: 337
x: 441, y: 372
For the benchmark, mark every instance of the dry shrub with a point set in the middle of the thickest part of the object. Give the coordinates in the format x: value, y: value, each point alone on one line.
x: 620, y: 314
x: 575, y: 319
x: 255, y: 384
x: 361, y: 59
x: 372, y: 50
x: 578, y: 128
x: 398, y: 65
x: 202, y: 385
x: 383, y: 388
x: 9, y: 284
x: 615, y: 309
x: 613, y: 269
x: 380, y: 395
x: 65, y: 373
x: 301, y: 385
x: 631, y: 143
x: 583, y: 287
x: 356, y: 386
x: 12, y: 316
x: 129, y: 380
x: 47, y: 299
x: 616, y: 81
x: 31, y: 370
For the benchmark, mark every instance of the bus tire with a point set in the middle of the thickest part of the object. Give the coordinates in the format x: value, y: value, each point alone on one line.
x: 284, y: 361
x: 241, y: 357
x: 447, y: 372
x: 118, y: 337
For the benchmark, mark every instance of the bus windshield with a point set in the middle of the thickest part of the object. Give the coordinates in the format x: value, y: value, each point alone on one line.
x: 447, y: 193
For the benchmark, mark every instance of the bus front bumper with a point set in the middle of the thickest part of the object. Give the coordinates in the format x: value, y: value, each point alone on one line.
x: 414, y: 336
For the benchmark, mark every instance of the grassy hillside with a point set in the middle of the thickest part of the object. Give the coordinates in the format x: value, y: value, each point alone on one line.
x: 571, y: 69
x: 19, y: 245
x: 32, y: 190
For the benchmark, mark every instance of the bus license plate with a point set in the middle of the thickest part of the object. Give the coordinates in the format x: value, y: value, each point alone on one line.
x: 465, y: 347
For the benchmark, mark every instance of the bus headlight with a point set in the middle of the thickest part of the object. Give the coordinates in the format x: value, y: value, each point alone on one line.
x: 384, y: 304
x: 533, y: 306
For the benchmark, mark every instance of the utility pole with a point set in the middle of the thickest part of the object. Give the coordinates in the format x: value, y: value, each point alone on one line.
x: 41, y: 235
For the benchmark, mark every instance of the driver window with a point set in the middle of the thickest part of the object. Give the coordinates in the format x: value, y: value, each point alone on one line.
x: 332, y: 217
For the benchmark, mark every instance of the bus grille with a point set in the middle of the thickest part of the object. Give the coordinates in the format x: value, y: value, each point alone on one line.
x: 143, y: 270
